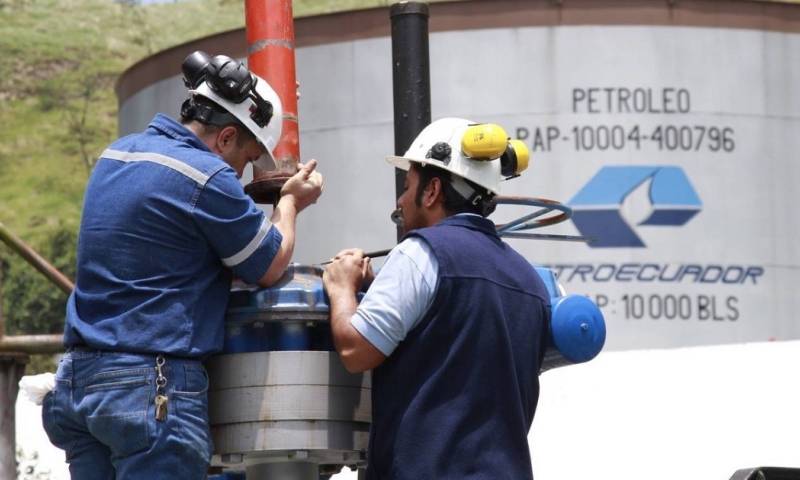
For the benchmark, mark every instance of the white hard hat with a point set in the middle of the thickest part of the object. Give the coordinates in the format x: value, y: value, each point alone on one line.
x: 267, y: 135
x: 442, y: 143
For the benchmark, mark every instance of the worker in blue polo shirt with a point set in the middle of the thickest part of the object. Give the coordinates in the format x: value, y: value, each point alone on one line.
x: 165, y: 226
x: 453, y: 325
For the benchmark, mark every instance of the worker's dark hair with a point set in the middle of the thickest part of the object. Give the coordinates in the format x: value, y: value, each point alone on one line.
x: 193, y: 105
x: 453, y: 201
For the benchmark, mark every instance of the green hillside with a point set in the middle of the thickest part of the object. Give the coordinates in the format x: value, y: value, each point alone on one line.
x: 61, y: 59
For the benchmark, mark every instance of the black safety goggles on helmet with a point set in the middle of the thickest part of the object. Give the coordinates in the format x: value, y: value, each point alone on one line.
x: 230, y: 80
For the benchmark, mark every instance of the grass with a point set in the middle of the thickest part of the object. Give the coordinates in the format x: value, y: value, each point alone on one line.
x: 58, y: 106
x: 63, y: 57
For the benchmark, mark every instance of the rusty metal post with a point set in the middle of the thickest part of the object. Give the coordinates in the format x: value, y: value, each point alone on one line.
x: 411, y: 78
x: 26, y: 252
x: 270, y: 50
x: 12, y: 358
x: 31, y: 343
x: 12, y: 367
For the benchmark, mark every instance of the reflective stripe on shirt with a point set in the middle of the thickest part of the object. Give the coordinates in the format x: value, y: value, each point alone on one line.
x: 160, y: 159
x: 160, y: 213
x: 251, y: 247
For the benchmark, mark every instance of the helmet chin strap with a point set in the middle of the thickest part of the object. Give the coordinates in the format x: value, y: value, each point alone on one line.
x: 206, y: 114
x: 463, y: 189
x: 481, y: 200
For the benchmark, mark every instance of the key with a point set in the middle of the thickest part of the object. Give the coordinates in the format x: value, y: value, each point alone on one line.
x: 161, y: 407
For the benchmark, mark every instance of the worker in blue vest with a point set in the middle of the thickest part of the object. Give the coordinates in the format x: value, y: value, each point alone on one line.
x: 453, y: 326
x: 165, y: 226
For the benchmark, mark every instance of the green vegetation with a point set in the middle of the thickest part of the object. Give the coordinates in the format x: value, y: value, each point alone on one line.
x: 58, y: 111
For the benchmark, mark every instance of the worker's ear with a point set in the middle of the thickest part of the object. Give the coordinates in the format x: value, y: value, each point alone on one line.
x: 226, y: 138
x: 433, y: 193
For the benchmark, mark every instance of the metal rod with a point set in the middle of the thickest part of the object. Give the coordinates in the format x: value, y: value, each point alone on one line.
x: 411, y: 79
x: 549, y: 205
x: 546, y: 236
x: 505, y: 234
x: 511, y: 226
x: 39, y: 263
x: 32, y: 344
x: 375, y: 254
x: 12, y: 367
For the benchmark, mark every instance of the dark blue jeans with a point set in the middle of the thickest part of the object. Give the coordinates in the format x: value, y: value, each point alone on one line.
x: 102, y: 413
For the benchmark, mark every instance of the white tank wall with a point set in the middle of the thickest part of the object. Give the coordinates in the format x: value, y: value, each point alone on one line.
x: 742, y: 80
x: 164, y: 96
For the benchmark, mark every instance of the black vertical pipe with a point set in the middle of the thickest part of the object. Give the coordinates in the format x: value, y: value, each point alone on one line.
x: 411, y: 77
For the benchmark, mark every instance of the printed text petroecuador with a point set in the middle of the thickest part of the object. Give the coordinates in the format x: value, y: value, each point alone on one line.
x: 658, y: 272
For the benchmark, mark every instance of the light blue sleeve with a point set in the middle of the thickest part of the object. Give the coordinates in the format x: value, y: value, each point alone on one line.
x: 399, y: 297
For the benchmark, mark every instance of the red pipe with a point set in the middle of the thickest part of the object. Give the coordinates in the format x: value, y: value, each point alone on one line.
x: 270, y: 50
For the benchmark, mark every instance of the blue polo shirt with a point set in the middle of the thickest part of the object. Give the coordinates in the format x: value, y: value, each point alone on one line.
x: 164, y: 223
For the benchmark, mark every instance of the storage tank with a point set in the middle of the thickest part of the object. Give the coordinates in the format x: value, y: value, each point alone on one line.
x: 669, y: 127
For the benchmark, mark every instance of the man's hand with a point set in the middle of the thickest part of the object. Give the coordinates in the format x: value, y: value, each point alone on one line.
x: 304, y: 187
x: 347, y: 271
x: 300, y: 191
x: 342, y: 278
x: 367, y: 273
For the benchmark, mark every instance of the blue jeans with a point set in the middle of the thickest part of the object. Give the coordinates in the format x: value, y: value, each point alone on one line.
x: 102, y: 413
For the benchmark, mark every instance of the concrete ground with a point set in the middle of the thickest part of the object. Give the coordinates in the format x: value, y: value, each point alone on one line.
x: 693, y: 413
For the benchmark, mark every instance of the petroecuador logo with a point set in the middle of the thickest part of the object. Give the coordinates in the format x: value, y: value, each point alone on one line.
x: 597, y: 206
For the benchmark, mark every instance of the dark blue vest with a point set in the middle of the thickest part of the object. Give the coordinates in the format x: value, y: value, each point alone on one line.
x: 456, y: 399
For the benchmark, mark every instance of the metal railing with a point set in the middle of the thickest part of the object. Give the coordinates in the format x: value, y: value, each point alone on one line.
x: 32, y: 344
